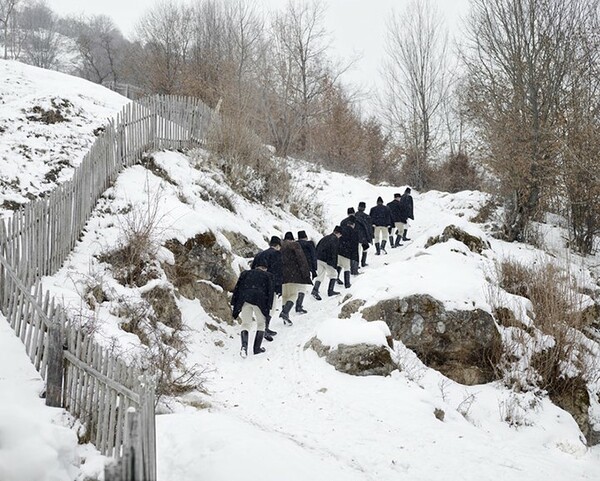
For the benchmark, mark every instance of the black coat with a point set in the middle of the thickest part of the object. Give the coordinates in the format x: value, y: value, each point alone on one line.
x: 254, y: 287
x: 395, y: 211
x: 310, y: 252
x: 274, y: 266
x: 380, y: 215
x: 348, y: 242
x: 295, y: 266
x: 406, y: 208
x: 327, y: 250
x: 364, y: 227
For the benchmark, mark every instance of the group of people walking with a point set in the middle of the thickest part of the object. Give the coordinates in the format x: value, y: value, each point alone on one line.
x: 289, y: 267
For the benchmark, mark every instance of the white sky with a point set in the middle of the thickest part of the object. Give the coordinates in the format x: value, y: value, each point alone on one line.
x: 357, y: 26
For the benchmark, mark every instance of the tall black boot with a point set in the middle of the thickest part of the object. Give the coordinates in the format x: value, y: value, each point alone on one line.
x: 377, y: 249
x: 285, y: 313
x: 383, y: 247
x: 258, y: 341
x: 338, y: 280
x: 315, y: 291
x: 347, y: 279
x: 391, y: 237
x: 404, y: 238
x: 244, y: 350
x: 398, y: 239
x: 331, y: 292
x: 354, y: 267
x: 299, y: 301
x: 363, y: 260
x: 269, y: 332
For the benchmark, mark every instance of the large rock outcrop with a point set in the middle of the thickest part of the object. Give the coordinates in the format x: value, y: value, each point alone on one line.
x: 474, y: 243
x: 459, y: 344
x: 358, y: 360
x: 199, y: 260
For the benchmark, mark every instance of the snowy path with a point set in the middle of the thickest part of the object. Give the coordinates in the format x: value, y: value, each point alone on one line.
x: 289, y: 415
x: 34, y: 444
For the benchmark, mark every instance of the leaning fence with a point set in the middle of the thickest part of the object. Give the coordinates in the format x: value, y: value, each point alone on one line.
x: 113, y: 401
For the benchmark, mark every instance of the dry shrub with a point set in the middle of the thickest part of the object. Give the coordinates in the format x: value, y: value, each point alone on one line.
x: 165, y: 349
x: 303, y: 204
x: 559, y: 351
x: 246, y: 162
x: 134, y: 259
x: 456, y: 174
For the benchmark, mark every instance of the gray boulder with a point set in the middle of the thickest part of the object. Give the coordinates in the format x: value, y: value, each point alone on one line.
x: 459, y: 344
x: 475, y: 244
x: 357, y: 360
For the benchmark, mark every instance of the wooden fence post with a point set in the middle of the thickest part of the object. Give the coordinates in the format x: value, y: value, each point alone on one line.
x: 132, y: 465
x: 54, y: 376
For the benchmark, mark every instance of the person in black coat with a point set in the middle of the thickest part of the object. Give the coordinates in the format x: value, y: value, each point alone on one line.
x: 272, y: 258
x: 327, y: 261
x: 310, y: 252
x: 355, y: 240
x: 364, y: 228
x: 348, y: 248
x: 253, y: 299
x: 382, y: 219
x: 296, y: 275
x: 396, y: 212
x: 406, y: 211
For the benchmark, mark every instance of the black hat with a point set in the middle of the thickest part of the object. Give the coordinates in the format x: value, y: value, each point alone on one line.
x: 351, y: 210
x: 407, y: 190
x: 379, y: 200
x: 397, y: 195
x: 288, y: 236
x: 362, y: 205
x: 337, y: 229
x: 260, y: 261
x: 302, y: 235
x: 275, y: 241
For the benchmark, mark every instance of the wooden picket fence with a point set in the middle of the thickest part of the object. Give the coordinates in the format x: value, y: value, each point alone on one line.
x: 114, y: 402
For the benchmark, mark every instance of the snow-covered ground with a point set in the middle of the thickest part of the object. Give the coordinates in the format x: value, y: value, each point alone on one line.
x: 287, y: 414
x: 36, y: 442
x: 36, y: 155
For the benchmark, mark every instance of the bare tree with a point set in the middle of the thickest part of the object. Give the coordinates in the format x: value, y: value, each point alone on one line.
x: 416, y: 81
x: 100, y: 45
x: 579, y: 135
x: 165, y: 35
x: 520, y: 54
x: 295, y: 73
x: 43, y: 42
x: 7, y: 10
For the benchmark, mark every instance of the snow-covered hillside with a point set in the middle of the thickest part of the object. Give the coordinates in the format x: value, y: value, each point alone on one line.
x: 287, y: 414
x: 47, y: 124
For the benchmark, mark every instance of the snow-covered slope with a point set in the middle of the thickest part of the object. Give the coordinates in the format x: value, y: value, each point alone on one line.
x: 47, y: 124
x: 287, y: 414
